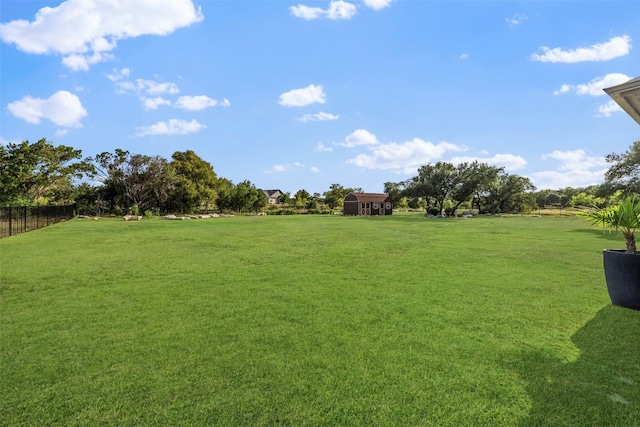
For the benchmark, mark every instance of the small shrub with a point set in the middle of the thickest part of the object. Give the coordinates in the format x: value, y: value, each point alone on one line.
x: 432, y: 210
x: 281, y: 212
x: 319, y: 211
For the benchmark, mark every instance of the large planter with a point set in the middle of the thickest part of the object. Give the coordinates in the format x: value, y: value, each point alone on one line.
x: 622, y: 273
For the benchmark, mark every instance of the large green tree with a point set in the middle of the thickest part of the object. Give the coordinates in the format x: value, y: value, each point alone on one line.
x: 394, y: 190
x: 301, y: 198
x: 335, y: 195
x: 86, y: 198
x: 39, y: 173
x: 471, y: 177
x: 434, y: 182
x: 134, y: 180
x: 243, y: 197
x: 196, y: 182
x: 446, y: 185
x: 583, y: 199
x: 509, y: 193
x: 624, y: 172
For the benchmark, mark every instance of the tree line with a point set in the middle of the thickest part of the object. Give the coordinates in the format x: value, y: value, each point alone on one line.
x: 120, y: 182
x: 443, y: 188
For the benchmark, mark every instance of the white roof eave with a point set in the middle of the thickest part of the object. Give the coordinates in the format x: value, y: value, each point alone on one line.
x: 627, y: 96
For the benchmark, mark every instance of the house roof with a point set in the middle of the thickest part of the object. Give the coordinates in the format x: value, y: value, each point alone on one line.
x: 627, y: 96
x: 271, y: 193
x: 369, y: 197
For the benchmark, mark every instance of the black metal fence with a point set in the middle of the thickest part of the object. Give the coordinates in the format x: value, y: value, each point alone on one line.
x: 20, y: 219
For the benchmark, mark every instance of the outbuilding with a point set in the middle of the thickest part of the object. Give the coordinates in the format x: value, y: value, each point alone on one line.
x: 367, y: 204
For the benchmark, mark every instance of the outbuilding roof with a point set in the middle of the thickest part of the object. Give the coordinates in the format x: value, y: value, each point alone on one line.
x: 369, y: 197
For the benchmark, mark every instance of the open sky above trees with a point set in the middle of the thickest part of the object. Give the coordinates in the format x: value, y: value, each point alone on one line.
x: 303, y: 94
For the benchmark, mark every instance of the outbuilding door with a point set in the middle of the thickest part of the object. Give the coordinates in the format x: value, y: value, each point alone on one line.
x: 366, y: 209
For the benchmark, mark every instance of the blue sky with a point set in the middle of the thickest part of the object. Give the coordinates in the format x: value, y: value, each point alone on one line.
x: 304, y: 94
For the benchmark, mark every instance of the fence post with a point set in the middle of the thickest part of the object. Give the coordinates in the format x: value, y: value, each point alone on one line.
x: 10, y: 221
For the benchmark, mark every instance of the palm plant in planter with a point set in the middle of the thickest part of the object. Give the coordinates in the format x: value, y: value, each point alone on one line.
x: 622, y: 267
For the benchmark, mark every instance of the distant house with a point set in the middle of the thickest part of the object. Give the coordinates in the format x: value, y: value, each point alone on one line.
x: 272, y: 196
x: 367, y: 204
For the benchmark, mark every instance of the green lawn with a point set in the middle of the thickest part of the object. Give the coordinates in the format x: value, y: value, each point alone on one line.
x: 315, y: 320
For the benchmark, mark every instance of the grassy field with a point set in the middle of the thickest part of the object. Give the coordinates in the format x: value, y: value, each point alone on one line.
x: 315, y: 320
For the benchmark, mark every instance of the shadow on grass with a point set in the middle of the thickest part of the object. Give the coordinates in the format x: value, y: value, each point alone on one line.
x: 612, y: 236
x: 600, y: 388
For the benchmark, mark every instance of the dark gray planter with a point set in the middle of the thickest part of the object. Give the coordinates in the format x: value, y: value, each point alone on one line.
x: 622, y: 273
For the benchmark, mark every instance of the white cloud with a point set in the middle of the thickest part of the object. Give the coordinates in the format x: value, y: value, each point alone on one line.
x: 314, y: 169
x: 85, y: 31
x: 378, y: 4
x: 614, y: 48
x: 563, y: 89
x: 304, y: 96
x: 149, y: 87
x: 154, y: 103
x: 516, y: 19
x: 510, y: 162
x: 337, y: 9
x: 322, y: 147
x: 119, y: 75
x: 284, y: 168
x: 62, y: 108
x: 605, y: 110
x: 463, y: 56
x: 81, y: 63
x: 199, y: 102
x: 595, y: 87
x: 575, y: 160
x: 318, y: 117
x: 306, y: 12
x: 359, y: 137
x: 576, y: 169
x: 277, y: 168
x: 154, y: 89
x: 404, y: 157
x: 557, y: 180
x: 171, y: 127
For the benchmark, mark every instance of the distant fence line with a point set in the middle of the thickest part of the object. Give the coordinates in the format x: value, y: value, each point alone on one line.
x: 20, y: 219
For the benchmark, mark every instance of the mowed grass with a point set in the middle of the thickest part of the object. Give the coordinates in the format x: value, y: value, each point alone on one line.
x: 315, y: 320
